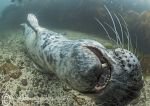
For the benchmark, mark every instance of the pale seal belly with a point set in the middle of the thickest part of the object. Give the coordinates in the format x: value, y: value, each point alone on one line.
x: 85, y: 65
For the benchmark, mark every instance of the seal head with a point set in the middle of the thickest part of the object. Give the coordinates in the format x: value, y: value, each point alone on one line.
x: 126, y: 79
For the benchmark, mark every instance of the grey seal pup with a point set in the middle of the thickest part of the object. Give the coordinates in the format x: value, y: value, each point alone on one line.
x: 85, y: 65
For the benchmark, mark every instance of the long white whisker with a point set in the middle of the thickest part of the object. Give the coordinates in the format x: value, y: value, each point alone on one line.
x: 121, y: 30
x: 104, y: 29
x: 126, y: 35
x: 131, y: 44
x: 126, y: 27
x: 114, y: 25
x: 112, y: 30
x: 136, y: 52
x: 115, y: 34
x: 128, y: 44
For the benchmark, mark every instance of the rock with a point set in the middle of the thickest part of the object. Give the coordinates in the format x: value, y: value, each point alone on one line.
x: 35, y: 82
x: 1, y: 94
x: 8, y: 67
x: 46, y: 104
x: 24, y: 82
x: 80, y: 100
x: 11, y: 70
x: 1, y: 57
x: 7, y: 78
x: 31, y: 94
x: 39, y: 95
x: 16, y: 74
x: 66, y: 88
x: 27, y: 102
x: 21, y: 64
x: 43, y: 92
x: 8, y: 60
x: 18, y: 90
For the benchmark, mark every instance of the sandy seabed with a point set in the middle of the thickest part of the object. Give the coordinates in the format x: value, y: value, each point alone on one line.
x: 22, y: 85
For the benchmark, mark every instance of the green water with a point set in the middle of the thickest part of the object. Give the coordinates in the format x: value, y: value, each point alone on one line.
x: 75, y: 19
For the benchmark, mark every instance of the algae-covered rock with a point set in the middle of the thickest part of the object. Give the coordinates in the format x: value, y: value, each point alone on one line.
x: 16, y: 74
x: 7, y: 68
x: 31, y: 94
x: 18, y: 90
x: 11, y: 70
x: 6, y: 78
x: 24, y: 82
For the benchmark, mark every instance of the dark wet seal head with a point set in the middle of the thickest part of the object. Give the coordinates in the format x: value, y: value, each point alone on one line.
x: 126, y: 78
x: 125, y: 82
x: 115, y: 76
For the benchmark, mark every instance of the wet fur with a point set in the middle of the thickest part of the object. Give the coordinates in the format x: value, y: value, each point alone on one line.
x: 77, y: 62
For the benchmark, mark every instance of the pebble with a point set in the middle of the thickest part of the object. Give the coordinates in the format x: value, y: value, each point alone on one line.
x: 24, y: 82
x: 31, y: 94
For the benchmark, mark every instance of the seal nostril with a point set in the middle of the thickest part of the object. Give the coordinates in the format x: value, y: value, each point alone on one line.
x: 123, y: 66
x: 129, y: 65
x: 120, y: 58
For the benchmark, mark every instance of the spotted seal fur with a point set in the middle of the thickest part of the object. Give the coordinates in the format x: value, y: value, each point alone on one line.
x: 85, y: 65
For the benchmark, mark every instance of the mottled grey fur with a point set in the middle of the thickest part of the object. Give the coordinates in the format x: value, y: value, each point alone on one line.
x: 79, y: 63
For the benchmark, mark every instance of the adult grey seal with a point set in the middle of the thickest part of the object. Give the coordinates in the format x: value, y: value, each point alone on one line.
x: 85, y: 65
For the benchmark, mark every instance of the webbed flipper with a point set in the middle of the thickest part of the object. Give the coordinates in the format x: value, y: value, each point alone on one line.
x: 33, y: 22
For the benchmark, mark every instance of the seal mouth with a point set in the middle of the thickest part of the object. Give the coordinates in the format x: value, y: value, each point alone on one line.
x: 105, y: 70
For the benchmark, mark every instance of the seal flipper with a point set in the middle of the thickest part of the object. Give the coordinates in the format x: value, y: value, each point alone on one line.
x: 33, y: 22
x: 28, y: 30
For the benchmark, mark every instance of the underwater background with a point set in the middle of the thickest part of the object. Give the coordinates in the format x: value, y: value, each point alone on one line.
x: 75, y: 19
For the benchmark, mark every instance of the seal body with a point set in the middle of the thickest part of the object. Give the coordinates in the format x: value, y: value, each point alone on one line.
x: 85, y: 65
x: 71, y: 61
